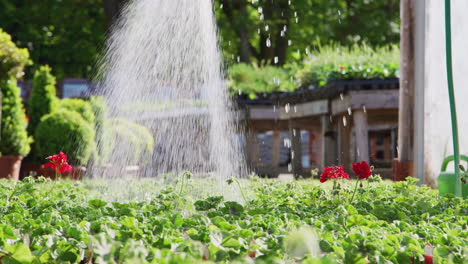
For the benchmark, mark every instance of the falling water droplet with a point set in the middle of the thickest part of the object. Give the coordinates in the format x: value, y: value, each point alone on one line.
x: 350, y: 112
x: 262, y: 17
x: 282, y: 33
x: 268, y: 42
x: 238, y: 59
x: 307, y: 51
x: 267, y: 28
x: 221, y: 6
x: 297, y: 20
x: 295, y: 13
x: 289, y: 167
x: 274, y: 108
x: 364, y: 109
x: 260, y: 10
x: 295, y: 109
x: 294, y: 132
x: 276, y: 60
x: 292, y: 154
x: 345, y: 122
x: 341, y: 96
x: 289, y: 42
x: 287, y: 107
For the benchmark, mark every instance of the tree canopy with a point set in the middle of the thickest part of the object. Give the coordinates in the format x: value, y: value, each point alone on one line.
x: 69, y: 35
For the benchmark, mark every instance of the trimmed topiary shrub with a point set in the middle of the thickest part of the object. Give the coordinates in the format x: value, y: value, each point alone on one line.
x: 65, y: 131
x: 43, y: 98
x: 80, y: 106
x: 12, y: 59
x: 129, y: 137
x: 14, y: 139
x: 99, y: 108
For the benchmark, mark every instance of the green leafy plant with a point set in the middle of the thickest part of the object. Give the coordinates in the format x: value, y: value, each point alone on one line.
x: 13, y: 59
x: 65, y: 131
x: 283, y: 222
x: 14, y: 137
x: 331, y: 63
x: 43, y: 99
x: 254, y: 80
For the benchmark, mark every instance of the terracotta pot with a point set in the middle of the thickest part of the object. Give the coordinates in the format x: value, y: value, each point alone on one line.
x: 29, y: 169
x: 77, y: 173
x: 10, y: 167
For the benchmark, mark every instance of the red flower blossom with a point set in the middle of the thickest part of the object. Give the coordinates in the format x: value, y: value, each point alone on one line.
x: 362, y: 170
x: 342, y: 67
x: 333, y: 173
x: 59, y: 163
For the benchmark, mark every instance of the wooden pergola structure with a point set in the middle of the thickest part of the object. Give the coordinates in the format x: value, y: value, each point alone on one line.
x: 342, y: 116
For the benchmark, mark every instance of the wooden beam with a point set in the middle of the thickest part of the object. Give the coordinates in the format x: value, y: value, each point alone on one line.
x: 374, y: 99
x: 314, y: 108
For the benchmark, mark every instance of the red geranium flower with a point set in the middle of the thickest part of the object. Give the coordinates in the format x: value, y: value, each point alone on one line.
x: 362, y: 170
x: 333, y: 173
x: 59, y: 163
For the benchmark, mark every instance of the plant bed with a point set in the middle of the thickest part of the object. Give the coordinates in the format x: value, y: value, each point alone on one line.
x: 294, y: 222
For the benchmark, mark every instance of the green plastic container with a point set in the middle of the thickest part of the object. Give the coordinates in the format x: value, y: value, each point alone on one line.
x: 447, y: 180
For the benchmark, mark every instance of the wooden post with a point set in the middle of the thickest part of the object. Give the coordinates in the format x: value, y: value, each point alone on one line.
x: 344, y: 135
x: 296, y: 149
x: 276, y: 148
x: 362, y: 135
x: 407, y: 81
x: 252, y: 148
x: 329, y: 149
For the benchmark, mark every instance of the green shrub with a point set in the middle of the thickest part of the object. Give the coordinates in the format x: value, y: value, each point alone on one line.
x: 341, y: 63
x: 253, y: 80
x: 43, y: 98
x: 12, y: 59
x: 65, y: 131
x: 80, y: 106
x: 14, y: 137
x: 133, y: 139
x: 99, y: 107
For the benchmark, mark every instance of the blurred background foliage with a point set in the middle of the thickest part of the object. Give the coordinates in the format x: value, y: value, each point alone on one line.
x: 69, y: 35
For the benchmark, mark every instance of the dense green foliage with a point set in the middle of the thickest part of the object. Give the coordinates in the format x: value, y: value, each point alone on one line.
x: 14, y: 138
x: 282, y: 222
x: 69, y: 35
x: 12, y: 58
x: 65, y: 131
x: 253, y: 80
x: 82, y: 107
x: 43, y: 99
x: 341, y: 63
x: 130, y: 139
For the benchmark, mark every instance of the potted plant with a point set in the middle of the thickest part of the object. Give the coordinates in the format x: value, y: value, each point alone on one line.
x: 14, y: 143
x: 65, y: 131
